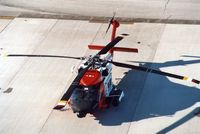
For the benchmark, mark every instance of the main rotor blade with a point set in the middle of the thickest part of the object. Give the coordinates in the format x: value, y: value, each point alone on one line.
x: 61, y: 104
x: 149, y: 70
x: 51, y: 56
x: 112, y: 44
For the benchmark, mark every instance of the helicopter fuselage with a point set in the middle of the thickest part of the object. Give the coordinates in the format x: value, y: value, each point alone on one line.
x: 95, y: 90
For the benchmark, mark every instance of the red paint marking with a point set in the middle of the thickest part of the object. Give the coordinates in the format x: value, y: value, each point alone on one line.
x: 115, y: 25
x: 121, y: 49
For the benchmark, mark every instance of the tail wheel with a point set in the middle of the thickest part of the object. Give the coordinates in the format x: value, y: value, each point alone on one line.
x: 81, y: 114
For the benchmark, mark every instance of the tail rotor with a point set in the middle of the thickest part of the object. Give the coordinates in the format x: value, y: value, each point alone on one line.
x: 110, y: 22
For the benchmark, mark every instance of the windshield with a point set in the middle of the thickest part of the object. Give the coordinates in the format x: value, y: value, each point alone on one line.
x: 84, y: 98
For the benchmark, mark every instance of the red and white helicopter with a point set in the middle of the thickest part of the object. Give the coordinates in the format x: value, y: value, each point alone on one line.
x: 93, y: 88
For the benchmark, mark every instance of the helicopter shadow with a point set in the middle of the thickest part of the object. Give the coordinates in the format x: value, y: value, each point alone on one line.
x: 150, y: 96
x: 189, y: 116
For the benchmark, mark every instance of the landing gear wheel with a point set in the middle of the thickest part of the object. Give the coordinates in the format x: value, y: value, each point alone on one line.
x: 81, y: 115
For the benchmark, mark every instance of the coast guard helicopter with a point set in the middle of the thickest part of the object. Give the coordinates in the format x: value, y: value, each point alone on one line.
x: 93, y: 88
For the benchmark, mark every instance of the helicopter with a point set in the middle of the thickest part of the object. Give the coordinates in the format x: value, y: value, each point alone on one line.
x: 92, y: 88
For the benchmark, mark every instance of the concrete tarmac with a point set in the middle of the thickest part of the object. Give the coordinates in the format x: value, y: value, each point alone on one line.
x: 152, y: 103
x: 152, y: 9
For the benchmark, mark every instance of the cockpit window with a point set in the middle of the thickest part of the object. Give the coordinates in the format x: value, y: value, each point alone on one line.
x: 84, y: 98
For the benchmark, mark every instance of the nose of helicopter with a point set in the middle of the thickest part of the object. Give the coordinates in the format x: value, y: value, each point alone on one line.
x: 82, y: 102
x: 81, y: 107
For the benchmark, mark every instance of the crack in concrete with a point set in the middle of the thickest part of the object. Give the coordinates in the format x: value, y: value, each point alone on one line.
x: 166, y: 4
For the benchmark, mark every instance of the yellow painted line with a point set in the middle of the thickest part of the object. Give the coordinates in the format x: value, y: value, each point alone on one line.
x: 7, y: 17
